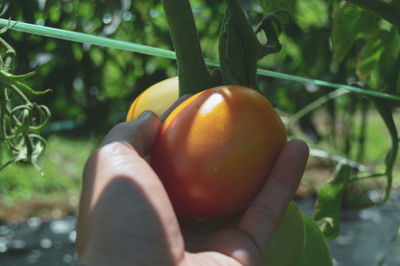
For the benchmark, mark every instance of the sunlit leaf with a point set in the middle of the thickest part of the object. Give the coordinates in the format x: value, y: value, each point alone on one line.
x: 350, y: 23
x: 368, y: 58
x: 327, y: 209
x: 344, y: 30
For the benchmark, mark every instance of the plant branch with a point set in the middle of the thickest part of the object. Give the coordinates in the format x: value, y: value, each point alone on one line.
x: 366, y: 176
x: 192, y: 71
x: 315, y: 104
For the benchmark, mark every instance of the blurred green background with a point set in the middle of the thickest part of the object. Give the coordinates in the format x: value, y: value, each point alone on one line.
x: 93, y: 87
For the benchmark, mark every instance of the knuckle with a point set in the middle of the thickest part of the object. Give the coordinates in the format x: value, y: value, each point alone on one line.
x: 266, y: 210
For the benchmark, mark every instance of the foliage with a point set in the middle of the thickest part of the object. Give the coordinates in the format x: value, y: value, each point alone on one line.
x: 20, y: 119
x: 327, y: 208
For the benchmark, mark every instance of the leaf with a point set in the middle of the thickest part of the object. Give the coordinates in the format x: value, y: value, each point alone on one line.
x: 327, y: 209
x: 344, y: 30
x: 236, y: 55
x: 388, y: 58
x: 389, y: 62
x: 272, y: 5
x: 368, y: 58
x: 350, y: 23
x: 287, y: 243
x: 316, y: 249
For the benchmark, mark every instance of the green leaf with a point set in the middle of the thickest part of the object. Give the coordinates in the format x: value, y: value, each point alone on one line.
x: 389, y: 62
x: 368, y: 58
x: 272, y: 5
x: 316, y: 249
x: 327, y: 209
x: 344, y: 30
x: 238, y: 48
x: 350, y: 23
x: 236, y: 55
x: 388, y: 58
x: 287, y: 244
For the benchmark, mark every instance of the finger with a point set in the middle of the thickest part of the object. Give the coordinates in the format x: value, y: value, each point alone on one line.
x: 173, y: 106
x: 140, y: 133
x: 263, y: 215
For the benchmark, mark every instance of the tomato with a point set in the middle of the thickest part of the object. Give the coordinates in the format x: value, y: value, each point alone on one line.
x: 215, y: 150
x: 157, y: 98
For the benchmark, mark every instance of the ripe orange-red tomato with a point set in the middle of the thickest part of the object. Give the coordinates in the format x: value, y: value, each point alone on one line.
x: 215, y: 151
x: 157, y: 98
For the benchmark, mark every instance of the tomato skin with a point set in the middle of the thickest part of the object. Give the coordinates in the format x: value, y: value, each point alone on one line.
x: 215, y: 151
x: 157, y: 98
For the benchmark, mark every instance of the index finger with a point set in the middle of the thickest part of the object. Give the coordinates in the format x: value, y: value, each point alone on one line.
x: 265, y: 212
x: 139, y: 134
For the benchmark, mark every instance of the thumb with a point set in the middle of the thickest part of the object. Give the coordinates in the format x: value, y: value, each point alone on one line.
x: 140, y: 134
x: 265, y: 212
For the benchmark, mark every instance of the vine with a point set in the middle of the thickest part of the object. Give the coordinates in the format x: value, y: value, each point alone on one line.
x: 20, y: 119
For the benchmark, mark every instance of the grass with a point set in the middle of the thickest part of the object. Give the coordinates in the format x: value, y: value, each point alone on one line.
x: 62, y: 164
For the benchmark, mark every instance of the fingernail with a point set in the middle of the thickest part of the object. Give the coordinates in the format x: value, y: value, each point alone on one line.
x: 145, y: 115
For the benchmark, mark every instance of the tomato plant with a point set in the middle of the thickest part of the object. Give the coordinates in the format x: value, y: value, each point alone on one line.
x: 157, y: 98
x: 215, y: 151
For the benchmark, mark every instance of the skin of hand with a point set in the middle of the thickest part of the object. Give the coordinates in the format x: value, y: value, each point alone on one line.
x: 126, y: 218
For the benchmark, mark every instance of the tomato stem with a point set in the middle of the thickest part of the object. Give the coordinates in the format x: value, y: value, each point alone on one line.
x: 192, y: 71
x: 238, y: 47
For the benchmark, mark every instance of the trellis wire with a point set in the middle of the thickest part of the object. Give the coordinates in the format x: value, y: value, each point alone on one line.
x: 153, y: 51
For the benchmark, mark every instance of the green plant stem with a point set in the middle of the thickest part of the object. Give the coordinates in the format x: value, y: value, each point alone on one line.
x: 192, y: 71
x: 315, y: 104
x: 363, y: 130
x: 243, y: 26
x: 366, y: 176
x: 336, y: 158
x: 238, y: 48
x: 382, y: 9
x: 10, y: 54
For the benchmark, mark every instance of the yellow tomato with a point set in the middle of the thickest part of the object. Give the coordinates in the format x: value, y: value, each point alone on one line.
x: 157, y: 98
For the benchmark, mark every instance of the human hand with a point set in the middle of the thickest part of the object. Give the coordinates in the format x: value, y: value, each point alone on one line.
x: 126, y: 218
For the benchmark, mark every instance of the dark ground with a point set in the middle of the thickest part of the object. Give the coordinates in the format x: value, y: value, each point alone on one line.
x: 368, y: 238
